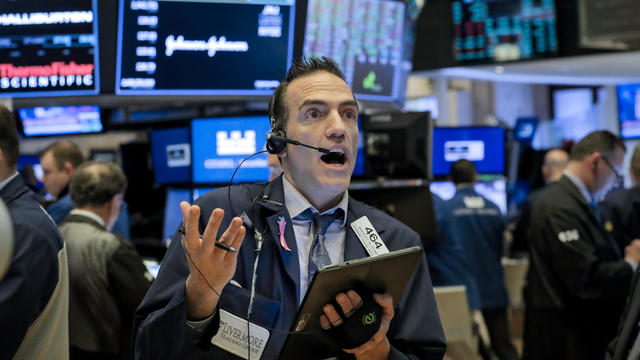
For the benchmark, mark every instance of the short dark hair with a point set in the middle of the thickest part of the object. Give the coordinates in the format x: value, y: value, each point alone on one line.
x: 602, y: 141
x: 63, y: 151
x: 462, y: 171
x: 277, y: 106
x: 95, y: 183
x: 9, y: 137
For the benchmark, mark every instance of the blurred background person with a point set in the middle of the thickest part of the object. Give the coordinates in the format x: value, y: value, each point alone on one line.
x: 107, y: 277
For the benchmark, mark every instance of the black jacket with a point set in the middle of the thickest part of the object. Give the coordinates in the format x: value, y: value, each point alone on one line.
x: 577, y: 277
x: 621, y: 210
x: 620, y: 346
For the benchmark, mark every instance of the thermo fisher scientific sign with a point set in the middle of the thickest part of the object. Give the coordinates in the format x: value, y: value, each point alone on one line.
x: 48, y: 48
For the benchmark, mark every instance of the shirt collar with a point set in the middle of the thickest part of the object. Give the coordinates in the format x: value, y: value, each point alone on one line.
x: 89, y: 214
x: 580, y: 185
x: 8, y: 180
x: 296, y: 203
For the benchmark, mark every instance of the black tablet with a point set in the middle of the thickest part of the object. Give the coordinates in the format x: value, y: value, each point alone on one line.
x: 386, y: 273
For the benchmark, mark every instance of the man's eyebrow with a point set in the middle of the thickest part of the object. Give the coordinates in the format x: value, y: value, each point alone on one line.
x: 324, y: 103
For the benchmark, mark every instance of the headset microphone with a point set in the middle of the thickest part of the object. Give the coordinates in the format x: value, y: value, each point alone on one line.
x: 276, y: 143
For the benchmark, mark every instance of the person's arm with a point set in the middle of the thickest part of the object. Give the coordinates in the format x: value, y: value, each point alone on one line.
x: 575, y: 259
x: 181, y: 294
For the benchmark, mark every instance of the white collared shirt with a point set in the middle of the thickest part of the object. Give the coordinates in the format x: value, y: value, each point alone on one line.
x: 89, y: 214
x: 334, y: 239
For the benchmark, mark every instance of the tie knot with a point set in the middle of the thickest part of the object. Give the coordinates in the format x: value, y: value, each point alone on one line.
x: 321, y: 222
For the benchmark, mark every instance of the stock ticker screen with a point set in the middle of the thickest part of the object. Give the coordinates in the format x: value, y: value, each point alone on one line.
x: 365, y: 37
x: 225, y: 47
x: 48, y: 48
x: 503, y: 30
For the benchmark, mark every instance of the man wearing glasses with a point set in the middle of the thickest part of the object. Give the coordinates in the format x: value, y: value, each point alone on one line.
x: 578, y: 277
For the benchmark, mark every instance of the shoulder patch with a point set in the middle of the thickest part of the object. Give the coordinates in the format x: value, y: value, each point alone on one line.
x: 569, y: 235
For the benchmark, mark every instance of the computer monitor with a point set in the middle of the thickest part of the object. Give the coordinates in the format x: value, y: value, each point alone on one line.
x: 35, y: 173
x: 483, y: 145
x: 221, y: 144
x: 203, y: 47
x: 412, y: 205
x: 48, y: 48
x: 359, y: 168
x: 109, y: 155
x: 629, y: 110
x: 171, y: 155
x: 525, y: 129
x: 172, y: 212
x: 494, y: 190
x: 503, y: 30
x: 60, y: 120
x: 396, y: 144
x: 367, y: 40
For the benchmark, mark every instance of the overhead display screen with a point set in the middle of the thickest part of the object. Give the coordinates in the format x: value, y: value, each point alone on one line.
x: 503, y: 30
x: 225, y: 47
x: 219, y: 145
x: 48, y: 48
x: 59, y: 120
x: 629, y: 110
x: 365, y: 37
x: 484, y: 146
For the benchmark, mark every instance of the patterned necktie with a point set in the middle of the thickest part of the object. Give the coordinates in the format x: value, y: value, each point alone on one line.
x: 318, y: 255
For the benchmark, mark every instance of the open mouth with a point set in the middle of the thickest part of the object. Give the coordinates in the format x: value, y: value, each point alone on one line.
x: 334, y: 157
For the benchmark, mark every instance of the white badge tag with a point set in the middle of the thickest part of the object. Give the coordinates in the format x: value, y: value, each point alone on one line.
x: 369, y: 237
x: 232, y: 336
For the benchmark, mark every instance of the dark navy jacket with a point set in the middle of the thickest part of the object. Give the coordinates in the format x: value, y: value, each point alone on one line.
x: 33, y: 274
x: 163, y: 333
x: 469, y: 249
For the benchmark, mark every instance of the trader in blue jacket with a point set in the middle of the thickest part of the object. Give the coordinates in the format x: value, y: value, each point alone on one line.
x: 469, y: 252
x: 197, y: 307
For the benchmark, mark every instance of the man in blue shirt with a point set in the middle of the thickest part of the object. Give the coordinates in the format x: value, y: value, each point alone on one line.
x: 469, y: 252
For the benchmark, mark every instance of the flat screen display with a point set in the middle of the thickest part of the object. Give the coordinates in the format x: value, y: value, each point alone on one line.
x: 48, y: 48
x: 365, y: 37
x: 484, y: 146
x: 59, y: 120
x: 172, y: 212
x: 220, y: 145
x: 503, y: 30
x: 171, y: 154
x: 225, y: 47
x: 494, y: 190
x: 629, y: 110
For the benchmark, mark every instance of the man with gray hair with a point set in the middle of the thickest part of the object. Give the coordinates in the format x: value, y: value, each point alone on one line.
x: 108, y: 278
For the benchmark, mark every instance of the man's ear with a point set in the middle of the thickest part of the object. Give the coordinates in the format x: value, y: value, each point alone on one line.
x: 68, y: 168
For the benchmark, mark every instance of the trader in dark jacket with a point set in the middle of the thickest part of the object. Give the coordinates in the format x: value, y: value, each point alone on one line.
x: 626, y: 345
x: 621, y: 208
x: 577, y: 280
x: 108, y: 278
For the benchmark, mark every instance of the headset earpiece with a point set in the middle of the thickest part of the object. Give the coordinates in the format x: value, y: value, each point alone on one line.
x: 275, y: 146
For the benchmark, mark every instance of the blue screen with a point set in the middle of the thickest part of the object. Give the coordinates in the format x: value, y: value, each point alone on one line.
x: 358, y: 170
x: 220, y: 144
x: 484, y: 146
x: 59, y: 120
x: 172, y: 213
x: 171, y: 153
x: 629, y: 110
x: 494, y: 190
x: 525, y: 129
